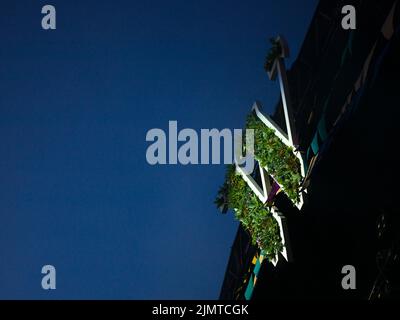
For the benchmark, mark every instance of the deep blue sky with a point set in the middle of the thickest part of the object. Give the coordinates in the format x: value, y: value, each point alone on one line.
x: 75, y: 105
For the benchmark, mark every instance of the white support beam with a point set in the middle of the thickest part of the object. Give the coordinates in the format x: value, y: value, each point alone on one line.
x: 271, y: 124
x: 286, y: 102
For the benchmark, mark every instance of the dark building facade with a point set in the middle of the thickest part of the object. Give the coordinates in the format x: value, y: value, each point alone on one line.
x: 345, y: 91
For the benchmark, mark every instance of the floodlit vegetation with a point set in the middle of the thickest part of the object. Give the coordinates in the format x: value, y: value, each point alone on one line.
x: 272, y: 153
x: 251, y: 212
x: 235, y: 194
x: 279, y: 161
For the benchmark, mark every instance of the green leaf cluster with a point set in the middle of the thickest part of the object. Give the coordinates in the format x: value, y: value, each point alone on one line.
x: 274, y: 52
x: 253, y: 214
x: 272, y: 153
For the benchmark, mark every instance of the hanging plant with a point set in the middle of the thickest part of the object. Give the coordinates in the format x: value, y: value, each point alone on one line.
x: 272, y: 153
x: 235, y: 194
x: 273, y: 53
x: 222, y: 198
x: 254, y: 216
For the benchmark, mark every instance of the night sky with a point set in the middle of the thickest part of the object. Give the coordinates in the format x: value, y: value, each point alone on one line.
x: 76, y: 103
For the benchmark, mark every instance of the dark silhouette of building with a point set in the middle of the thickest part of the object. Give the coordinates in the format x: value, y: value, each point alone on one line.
x: 345, y: 90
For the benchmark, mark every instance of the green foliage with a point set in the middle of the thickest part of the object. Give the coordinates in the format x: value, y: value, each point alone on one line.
x: 222, y: 198
x: 274, y: 52
x: 271, y: 152
x: 254, y: 216
x: 281, y: 163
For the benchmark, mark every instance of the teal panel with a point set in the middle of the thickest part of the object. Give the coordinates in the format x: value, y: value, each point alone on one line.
x: 257, y: 268
x: 250, y: 288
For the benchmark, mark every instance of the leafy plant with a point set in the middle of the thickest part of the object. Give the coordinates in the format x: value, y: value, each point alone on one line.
x: 281, y: 163
x: 271, y: 152
x: 254, y: 215
x: 222, y: 198
x: 274, y: 52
